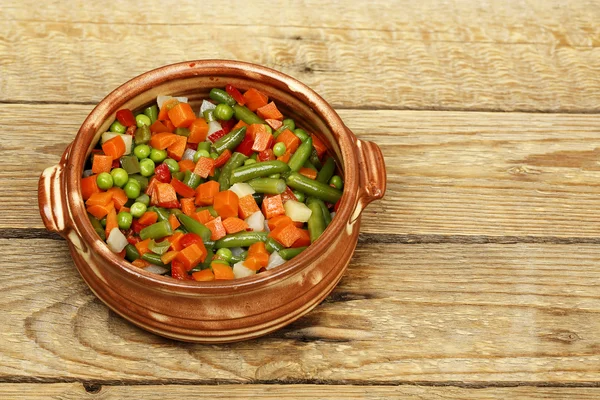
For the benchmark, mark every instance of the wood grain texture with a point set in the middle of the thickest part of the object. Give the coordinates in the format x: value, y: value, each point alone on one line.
x: 495, y: 55
x: 68, y: 391
x: 438, y: 313
x: 449, y: 173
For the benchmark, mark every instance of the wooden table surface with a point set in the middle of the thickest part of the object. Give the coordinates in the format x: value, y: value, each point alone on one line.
x: 478, y: 274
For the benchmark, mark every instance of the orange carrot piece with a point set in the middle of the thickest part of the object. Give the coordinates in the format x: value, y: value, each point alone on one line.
x: 164, y: 110
x: 142, y: 246
x: 159, y: 127
x: 111, y: 222
x: 174, y: 221
x: 252, y: 263
x: 222, y: 271
x: 286, y: 234
x: 177, y: 148
x: 118, y: 197
x: 234, y: 224
x: 290, y: 140
x: 318, y: 145
x: 166, y: 195
x: 274, y: 123
x: 269, y: 111
x: 204, y: 166
x: 89, y: 187
x: 169, y: 256
x: 198, y: 131
x: 101, y: 163
x: 255, y: 99
x: 206, y: 192
x: 163, y: 140
x: 205, y: 275
x: 272, y: 206
x: 140, y: 263
x: 114, y: 147
x: 187, y: 206
x: 308, y: 172
x: 216, y: 228
x: 182, y: 115
x: 279, y: 220
x: 203, y: 216
x: 99, y: 199
x: 259, y: 251
x: 100, y: 211
x: 186, y: 165
x: 303, y: 239
x: 254, y: 129
x: 239, y: 125
x: 247, y: 206
x: 262, y: 140
x: 285, y: 157
x: 226, y: 204
x: 174, y: 239
x: 148, y: 218
x: 192, y: 255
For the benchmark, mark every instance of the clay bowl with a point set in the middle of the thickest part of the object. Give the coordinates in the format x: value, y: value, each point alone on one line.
x: 221, y: 311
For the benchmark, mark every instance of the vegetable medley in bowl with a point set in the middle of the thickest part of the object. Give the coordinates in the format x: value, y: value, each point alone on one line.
x: 230, y: 191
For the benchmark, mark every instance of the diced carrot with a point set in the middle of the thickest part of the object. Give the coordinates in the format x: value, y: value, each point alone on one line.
x: 166, y: 195
x: 174, y: 222
x: 182, y: 189
x: 259, y: 251
x: 89, y: 187
x: 288, y: 195
x: 148, y: 218
x: 204, y: 166
x: 142, y: 246
x: 101, y: 163
x: 187, y: 206
x: 100, y: 211
x: 272, y: 206
x: 290, y: 140
x: 226, y: 204
x: 234, y: 224
x: 163, y: 140
x: 216, y: 228
x: 192, y: 255
x: 167, y: 122
x: 286, y: 234
x: 182, y: 115
x: 206, y: 192
x: 252, y: 263
x: 114, y: 147
x: 203, y: 216
x: 308, y: 172
x: 254, y: 129
x: 318, y: 145
x: 222, y: 271
x: 255, y: 99
x: 303, y: 239
x: 177, y: 148
x: 169, y: 256
x: 186, y: 165
x: 274, y: 123
x: 269, y: 111
x: 279, y: 220
x: 262, y: 140
x: 285, y: 157
x: 247, y: 206
x: 119, y: 197
x: 99, y: 199
x: 239, y: 125
x: 198, y: 131
x: 205, y: 275
x: 159, y: 127
x: 223, y: 158
x: 111, y: 221
x: 140, y: 263
x: 166, y: 106
x: 174, y: 239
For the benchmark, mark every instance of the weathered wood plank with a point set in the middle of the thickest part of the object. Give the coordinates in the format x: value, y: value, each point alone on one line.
x: 534, y: 56
x: 451, y: 173
x: 431, y: 313
x: 67, y: 391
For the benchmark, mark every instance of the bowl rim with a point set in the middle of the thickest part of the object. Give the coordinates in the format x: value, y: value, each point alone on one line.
x: 215, y: 67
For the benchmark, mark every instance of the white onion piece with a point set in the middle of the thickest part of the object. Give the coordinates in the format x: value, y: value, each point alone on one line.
x: 298, y: 212
x: 242, y: 189
x: 156, y: 269
x: 267, y: 229
x: 127, y: 139
x: 87, y: 172
x: 241, y: 271
x: 213, y: 127
x: 116, y: 240
x: 160, y: 100
x: 275, y: 260
x: 256, y: 221
x: 106, y: 136
x: 236, y: 251
x: 206, y: 105
x: 188, y: 154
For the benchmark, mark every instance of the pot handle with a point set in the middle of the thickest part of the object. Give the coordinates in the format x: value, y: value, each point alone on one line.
x: 372, y: 176
x: 50, y: 197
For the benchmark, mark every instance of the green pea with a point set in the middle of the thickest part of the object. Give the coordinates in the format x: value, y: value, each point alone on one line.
x: 120, y: 177
x: 141, y: 151
x: 138, y: 209
x: 172, y: 164
x: 214, y: 156
x: 144, y: 199
x: 117, y: 127
x: 219, y: 261
x: 201, y: 153
x: 141, y: 120
x: 223, y: 112
x: 103, y: 222
x: 279, y: 149
x: 132, y: 189
x: 249, y: 161
x: 157, y: 155
x: 146, y: 167
x: 299, y: 195
x: 224, y: 254
x: 301, y: 134
x: 124, y: 219
x: 104, y: 181
x: 337, y: 182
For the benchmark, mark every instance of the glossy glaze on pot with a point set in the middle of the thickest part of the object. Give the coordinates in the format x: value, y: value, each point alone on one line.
x: 220, y: 311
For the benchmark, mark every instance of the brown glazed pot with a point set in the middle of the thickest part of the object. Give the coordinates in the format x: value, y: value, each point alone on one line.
x: 221, y: 311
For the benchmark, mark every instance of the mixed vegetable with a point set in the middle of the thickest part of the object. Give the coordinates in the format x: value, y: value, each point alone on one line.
x: 227, y: 193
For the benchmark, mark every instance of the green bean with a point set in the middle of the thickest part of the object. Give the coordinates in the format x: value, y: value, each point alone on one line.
x: 273, y: 245
x: 153, y: 259
x: 192, y: 180
x: 131, y: 253
x: 230, y: 141
x: 244, y: 114
x: 316, y: 222
x: 309, y: 164
x: 142, y: 135
x: 236, y: 160
x: 97, y: 226
x: 179, y: 175
x: 204, y: 146
x: 221, y: 96
x: 157, y: 230
x: 241, y: 239
x: 194, y: 226
x: 209, y: 244
x: 324, y: 209
x: 313, y: 188
x: 287, y: 124
x: 314, y: 159
x: 258, y: 170
x: 268, y: 185
x: 163, y: 214
x: 301, y: 155
x: 152, y: 113
x: 288, y: 254
x: 326, y: 171
x: 182, y: 131
x: 210, y: 209
x: 209, y: 115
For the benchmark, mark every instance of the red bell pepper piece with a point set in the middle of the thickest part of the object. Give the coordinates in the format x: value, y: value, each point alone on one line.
x: 162, y: 173
x: 222, y: 159
x: 237, y: 96
x: 115, y: 164
x: 227, y: 126
x: 178, y: 270
x: 266, y: 155
x: 189, y: 239
x: 137, y: 227
x: 182, y: 189
x: 246, y: 146
x: 216, y: 135
x: 125, y: 117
